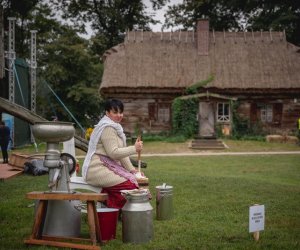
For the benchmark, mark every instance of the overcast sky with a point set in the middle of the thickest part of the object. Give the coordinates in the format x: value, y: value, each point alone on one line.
x: 159, y: 15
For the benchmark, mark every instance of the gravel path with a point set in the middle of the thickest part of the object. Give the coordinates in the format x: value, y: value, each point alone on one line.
x: 226, y: 153
x: 217, y: 153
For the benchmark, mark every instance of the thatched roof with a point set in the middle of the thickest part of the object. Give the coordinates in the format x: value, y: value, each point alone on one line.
x: 158, y: 62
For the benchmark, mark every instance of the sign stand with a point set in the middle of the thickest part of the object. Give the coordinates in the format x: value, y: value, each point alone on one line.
x: 256, y: 235
x: 256, y: 220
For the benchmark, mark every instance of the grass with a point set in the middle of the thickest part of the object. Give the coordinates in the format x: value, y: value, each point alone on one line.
x: 211, y: 199
x: 233, y: 146
x: 151, y: 147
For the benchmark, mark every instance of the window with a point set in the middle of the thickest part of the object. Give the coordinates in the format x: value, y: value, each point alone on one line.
x: 223, y: 112
x: 159, y: 112
x: 266, y: 113
x: 163, y: 113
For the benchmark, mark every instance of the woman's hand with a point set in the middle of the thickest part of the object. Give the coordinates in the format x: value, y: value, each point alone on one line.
x: 138, y: 145
x: 135, y: 171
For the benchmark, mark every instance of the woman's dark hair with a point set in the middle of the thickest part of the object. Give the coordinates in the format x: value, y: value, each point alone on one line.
x: 114, y: 104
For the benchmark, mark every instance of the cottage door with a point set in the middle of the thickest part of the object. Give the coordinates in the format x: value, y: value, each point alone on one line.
x: 206, y: 119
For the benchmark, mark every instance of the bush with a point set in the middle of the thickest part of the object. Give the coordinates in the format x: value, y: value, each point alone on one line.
x: 243, y: 129
x: 184, y: 117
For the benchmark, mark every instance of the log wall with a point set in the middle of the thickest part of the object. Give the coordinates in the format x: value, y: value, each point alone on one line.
x: 136, y: 117
x: 286, y: 121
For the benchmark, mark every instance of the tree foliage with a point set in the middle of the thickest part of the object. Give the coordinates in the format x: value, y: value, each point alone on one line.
x: 239, y: 15
x: 22, y: 11
x: 65, y: 62
x: 74, y: 74
x: 109, y: 20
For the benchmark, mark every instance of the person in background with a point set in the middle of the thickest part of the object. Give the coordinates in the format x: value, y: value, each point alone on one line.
x: 4, y: 140
x: 107, y: 163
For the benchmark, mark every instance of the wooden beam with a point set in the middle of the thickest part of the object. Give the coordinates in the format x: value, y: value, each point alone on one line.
x: 30, y: 117
x: 66, y: 196
x: 208, y: 95
x: 61, y: 244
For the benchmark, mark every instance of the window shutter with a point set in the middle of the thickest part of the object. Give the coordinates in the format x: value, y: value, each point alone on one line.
x: 152, y: 111
x: 277, y: 111
x: 253, y: 113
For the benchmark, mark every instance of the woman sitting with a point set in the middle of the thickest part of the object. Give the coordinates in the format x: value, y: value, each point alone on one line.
x: 107, y: 162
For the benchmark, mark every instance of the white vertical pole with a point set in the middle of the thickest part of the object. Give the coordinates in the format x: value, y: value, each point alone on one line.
x: 69, y: 147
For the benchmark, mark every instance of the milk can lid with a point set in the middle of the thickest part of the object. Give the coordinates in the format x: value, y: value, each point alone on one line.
x: 135, y: 192
x: 164, y: 186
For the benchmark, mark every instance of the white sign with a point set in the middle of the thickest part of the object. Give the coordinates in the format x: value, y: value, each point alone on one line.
x: 256, y: 218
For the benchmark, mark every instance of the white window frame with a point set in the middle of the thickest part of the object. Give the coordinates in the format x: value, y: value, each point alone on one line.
x: 221, y: 116
x: 266, y: 113
x: 163, y: 114
x: 159, y: 112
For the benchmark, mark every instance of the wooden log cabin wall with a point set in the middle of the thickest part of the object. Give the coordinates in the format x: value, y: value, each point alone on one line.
x: 275, y: 116
x: 146, y: 115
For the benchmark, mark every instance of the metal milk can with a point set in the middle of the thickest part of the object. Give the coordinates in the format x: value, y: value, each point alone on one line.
x: 137, y: 221
x: 62, y: 219
x: 164, y: 202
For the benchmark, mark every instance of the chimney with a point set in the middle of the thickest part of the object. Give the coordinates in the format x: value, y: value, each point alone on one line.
x: 202, y: 37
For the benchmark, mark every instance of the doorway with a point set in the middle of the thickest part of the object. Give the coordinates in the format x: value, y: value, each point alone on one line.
x: 206, y: 119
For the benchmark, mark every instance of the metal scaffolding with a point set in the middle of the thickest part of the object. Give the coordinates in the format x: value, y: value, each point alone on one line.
x: 11, y: 58
x: 1, y: 44
x: 33, y: 66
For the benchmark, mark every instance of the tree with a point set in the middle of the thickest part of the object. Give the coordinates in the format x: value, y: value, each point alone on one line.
x: 239, y: 15
x: 109, y: 19
x: 74, y: 74
x: 221, y: 15
x: 276, y: 15
x: 21, y: 10
x: 65, y: 63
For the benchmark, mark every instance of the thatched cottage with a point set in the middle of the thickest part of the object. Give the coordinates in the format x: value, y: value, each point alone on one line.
x: 260, y: 70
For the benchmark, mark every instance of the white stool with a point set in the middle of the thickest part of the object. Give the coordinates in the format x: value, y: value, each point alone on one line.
x: 77, y: 182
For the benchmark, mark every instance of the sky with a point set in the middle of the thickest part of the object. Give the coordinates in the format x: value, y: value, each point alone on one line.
x: 159, y: 15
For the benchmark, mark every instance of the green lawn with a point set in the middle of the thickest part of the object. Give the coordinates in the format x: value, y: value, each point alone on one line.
x: 212, y: 195
x: 161, y: 147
